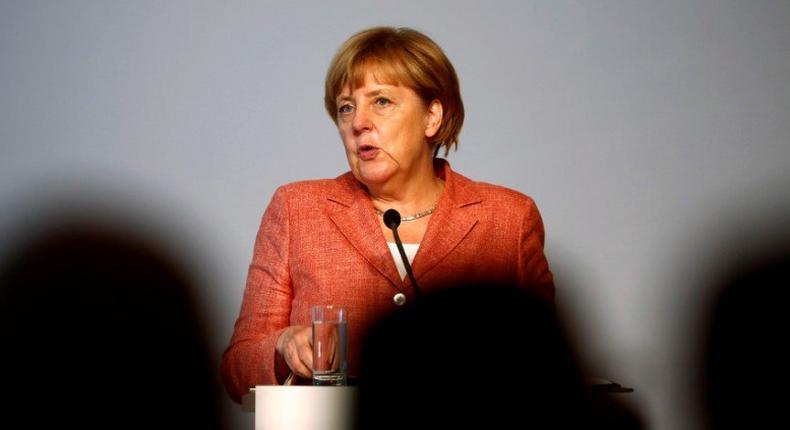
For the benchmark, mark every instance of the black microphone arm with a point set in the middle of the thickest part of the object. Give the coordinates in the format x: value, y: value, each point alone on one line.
x: 392, y: 220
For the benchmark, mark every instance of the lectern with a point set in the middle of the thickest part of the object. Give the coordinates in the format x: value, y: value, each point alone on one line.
x: 306, y: 407
x: 298, y: 407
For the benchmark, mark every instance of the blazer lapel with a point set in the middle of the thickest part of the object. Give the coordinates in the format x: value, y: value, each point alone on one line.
x: 453, y: 220
x: 361, y: 229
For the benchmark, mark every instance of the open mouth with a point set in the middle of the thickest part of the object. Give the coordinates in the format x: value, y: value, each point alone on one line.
x: 367, y: 152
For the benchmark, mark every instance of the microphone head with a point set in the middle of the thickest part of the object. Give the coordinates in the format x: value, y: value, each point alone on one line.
x: 391, y: 218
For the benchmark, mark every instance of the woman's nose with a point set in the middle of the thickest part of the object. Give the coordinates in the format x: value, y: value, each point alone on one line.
x: 361, y: 121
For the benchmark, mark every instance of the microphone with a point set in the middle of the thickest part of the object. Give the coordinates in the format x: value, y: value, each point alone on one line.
x: 392, y: 220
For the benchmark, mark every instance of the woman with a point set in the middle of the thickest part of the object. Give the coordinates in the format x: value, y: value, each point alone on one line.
x: 395, y: 99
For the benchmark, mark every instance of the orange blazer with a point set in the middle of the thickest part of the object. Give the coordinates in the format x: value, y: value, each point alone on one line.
x: 320, y: 243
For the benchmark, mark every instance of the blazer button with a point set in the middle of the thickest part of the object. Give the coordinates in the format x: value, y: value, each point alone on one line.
x: 399, y: 299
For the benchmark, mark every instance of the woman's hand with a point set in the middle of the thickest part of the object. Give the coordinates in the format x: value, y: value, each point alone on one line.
x: 295, y: 345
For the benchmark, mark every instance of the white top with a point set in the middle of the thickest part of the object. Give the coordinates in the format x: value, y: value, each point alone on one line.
x: 410, y: 249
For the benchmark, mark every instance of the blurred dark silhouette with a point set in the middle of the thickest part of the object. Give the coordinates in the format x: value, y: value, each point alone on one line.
x: 484, y: 356
x: 744, y: 359
x: 99, y: 329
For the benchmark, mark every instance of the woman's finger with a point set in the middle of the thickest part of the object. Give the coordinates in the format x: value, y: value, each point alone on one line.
x: 296, y: 363
x: 306, y: 356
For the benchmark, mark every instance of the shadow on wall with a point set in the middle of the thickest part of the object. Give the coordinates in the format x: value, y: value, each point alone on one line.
x: 100, y: 329
x: 484, y: 356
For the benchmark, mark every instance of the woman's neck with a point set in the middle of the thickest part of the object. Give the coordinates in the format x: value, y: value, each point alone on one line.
x: 415, y: 194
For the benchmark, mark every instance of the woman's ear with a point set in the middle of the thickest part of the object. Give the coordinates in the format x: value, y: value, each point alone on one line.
x: 434, y: 117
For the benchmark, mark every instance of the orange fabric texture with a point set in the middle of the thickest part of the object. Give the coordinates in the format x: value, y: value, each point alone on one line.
x: 320, y: 243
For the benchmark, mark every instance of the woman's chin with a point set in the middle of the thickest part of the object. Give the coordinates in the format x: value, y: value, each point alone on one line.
x: 375, y: 176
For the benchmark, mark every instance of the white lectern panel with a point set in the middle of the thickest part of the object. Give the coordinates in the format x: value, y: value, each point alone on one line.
x: 293, y: 407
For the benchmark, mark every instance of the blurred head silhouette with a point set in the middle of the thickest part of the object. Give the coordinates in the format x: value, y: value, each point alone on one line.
x: 479, y: 355
x: 744, y: 360
x: 99, y: 330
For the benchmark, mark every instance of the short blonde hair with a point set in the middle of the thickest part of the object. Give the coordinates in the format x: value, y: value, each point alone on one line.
x: 399, y: 56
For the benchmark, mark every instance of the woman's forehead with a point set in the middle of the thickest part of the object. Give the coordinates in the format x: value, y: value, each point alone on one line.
x: 370, y: 72
x: 370, y: 81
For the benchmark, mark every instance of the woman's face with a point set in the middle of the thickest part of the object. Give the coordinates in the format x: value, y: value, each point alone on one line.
x: 385, y: 129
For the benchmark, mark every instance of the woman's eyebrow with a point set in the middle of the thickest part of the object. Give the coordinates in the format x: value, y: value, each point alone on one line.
x: 371, y: 93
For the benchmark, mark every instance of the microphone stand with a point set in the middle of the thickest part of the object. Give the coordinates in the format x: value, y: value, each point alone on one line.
x: 392, y: 220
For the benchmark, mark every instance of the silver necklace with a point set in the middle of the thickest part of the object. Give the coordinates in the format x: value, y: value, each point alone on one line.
x: 418, y: 215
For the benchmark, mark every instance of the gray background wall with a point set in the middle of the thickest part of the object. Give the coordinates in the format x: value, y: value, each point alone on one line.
x: 644, y: 130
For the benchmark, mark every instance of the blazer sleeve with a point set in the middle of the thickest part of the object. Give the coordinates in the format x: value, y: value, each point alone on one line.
x: 249, y: 360
x: 533, y: 268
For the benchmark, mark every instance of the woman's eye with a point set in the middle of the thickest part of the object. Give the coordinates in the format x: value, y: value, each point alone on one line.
x: 382, y: 101
x: 344, y: 109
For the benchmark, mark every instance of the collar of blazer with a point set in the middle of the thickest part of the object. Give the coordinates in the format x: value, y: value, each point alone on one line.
x: 455, y: 216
